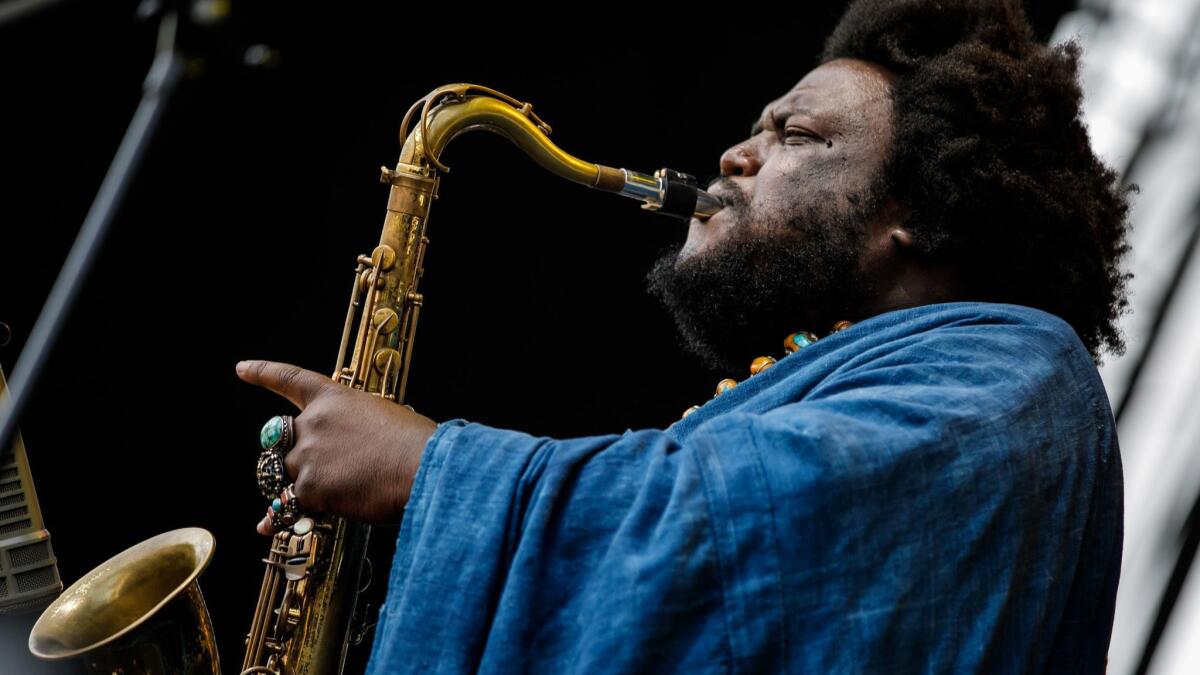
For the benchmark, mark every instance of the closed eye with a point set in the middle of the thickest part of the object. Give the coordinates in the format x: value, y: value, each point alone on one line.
x: 801, y: 136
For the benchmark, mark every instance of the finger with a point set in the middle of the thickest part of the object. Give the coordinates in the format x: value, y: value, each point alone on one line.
x: 302, y: 488
x: 296, y: 384
x: 293, y: 463
x: 264, y: 526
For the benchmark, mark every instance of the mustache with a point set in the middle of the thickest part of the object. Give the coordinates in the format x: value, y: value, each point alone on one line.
x: 728, y: 191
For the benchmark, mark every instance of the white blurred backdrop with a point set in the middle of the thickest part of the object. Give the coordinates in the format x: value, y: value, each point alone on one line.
x: 1141, y: 79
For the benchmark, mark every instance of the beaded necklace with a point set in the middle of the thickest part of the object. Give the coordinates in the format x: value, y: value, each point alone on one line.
x: 792, y: 343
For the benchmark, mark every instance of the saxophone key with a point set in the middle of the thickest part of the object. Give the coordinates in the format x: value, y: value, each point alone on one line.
x: 385, y: 320
x: 386, y: 360
x: 383, y: 257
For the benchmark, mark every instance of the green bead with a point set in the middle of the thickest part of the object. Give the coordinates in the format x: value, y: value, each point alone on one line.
x: 794, y: 342
x: 271, y: 432
x: 801, y: 340
x: 277, y: 505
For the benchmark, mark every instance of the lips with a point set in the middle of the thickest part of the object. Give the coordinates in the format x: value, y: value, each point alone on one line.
x: 720, y: 194
x: 703, y: 221
x: 730, y: 197
x: 725, y: 192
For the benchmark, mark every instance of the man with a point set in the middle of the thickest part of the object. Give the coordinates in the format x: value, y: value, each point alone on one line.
x: 935, y: 487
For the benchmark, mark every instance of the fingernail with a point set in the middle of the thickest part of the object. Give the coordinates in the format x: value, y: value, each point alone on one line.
x: 242, y: 366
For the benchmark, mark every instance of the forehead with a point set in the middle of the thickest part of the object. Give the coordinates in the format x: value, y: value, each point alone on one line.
x: 842, y: 89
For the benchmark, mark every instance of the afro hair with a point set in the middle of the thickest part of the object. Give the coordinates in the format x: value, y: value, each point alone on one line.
x: 992, y: 160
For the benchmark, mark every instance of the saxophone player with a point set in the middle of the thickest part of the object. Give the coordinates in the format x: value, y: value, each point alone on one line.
x: 923, y: 476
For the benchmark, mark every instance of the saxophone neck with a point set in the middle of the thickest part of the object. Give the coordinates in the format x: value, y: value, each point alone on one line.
x: 453, y: 109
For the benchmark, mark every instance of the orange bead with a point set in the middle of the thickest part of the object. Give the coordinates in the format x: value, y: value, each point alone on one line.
x: 689, y: 411
x: 760, y: 364
x: 725, y: 385
x: 842, y: 325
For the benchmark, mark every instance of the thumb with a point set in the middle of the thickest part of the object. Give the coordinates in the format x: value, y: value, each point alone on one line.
x: 296, y: 384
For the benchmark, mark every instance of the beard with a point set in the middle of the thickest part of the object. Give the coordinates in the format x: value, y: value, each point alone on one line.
x: 740, y: 297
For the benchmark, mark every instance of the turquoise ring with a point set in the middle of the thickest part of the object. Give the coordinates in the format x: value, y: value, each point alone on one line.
x: 277, y: 434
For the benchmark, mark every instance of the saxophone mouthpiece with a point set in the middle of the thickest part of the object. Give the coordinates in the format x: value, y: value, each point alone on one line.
x: 707, y: 204
x: 670, y: 193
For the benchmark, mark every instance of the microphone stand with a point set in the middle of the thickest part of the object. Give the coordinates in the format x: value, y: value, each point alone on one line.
x: 160, y: 84
x: 16, y: 10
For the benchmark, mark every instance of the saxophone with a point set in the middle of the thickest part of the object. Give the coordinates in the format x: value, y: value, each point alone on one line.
x: 305, y: 619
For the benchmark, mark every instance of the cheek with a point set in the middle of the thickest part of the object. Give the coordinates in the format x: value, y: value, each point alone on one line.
x: 778, y: 196
x: 813, y: 180
x: 855, y: 171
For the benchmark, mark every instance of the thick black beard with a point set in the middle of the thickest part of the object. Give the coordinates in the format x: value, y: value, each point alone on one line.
x: 740, y: 298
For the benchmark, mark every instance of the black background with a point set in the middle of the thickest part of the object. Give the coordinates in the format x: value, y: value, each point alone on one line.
x: 238, y: 237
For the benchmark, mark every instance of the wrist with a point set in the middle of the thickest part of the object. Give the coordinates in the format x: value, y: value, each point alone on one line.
x: 418, y: 430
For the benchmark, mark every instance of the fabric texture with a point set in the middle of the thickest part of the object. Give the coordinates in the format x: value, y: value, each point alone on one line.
x: 935, y: 490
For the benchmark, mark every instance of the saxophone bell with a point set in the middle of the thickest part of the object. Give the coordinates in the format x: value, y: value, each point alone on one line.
x: 140, y: 611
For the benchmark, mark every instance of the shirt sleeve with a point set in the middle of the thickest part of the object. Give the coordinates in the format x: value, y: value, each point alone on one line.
x: 601, y: 553
x: 922, y: 509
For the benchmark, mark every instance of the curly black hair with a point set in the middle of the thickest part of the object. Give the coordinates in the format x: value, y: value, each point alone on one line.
x: 992, y: 160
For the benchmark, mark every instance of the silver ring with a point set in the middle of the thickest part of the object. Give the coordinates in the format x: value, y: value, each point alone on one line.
x: 271, y: 473
x: 288, y: 511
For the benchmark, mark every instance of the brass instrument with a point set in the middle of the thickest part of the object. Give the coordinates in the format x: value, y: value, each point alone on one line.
x: 305, y: 615
x: 139, y: 612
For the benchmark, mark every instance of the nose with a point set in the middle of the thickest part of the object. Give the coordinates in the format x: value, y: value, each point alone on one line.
x: 740, y: 160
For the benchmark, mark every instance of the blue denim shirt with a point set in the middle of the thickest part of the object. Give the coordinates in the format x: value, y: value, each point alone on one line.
x: 935, y: 489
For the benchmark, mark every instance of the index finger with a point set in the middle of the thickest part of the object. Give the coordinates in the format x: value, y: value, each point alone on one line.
x: 294, y: 383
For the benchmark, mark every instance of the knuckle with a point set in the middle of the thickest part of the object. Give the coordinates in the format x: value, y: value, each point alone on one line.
x: 288, y: 376
x: 260, y: 367
x: 327, y: 391
x: 303, y: 489
x: 307, y: 491
x: 315, y: 417
x: 293, y: 462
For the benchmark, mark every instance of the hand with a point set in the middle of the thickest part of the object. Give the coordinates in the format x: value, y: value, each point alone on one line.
x: 354, y: 455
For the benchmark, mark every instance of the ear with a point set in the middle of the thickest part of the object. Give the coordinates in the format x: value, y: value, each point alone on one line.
x: 901, y: 237
x: 894, y: 215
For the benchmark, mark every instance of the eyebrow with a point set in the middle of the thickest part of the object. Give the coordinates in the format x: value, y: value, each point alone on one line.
x: 783, y: 112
